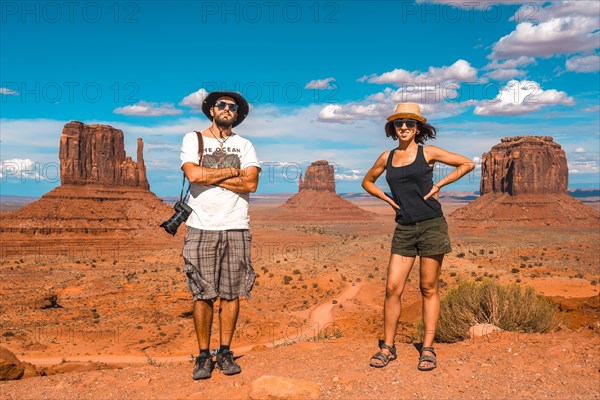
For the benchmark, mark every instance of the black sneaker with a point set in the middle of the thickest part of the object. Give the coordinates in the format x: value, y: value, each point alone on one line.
x: 203, y: 367
x: 226, y: 364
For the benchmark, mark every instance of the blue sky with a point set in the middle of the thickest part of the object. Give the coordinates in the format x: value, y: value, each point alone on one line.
x: 321, y: 78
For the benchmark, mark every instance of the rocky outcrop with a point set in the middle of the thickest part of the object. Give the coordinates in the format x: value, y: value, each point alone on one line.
x: 524, y: 165
x: 95, y: 154
x: 91, y: 210
x: 317, y: 200
x: 319, y: 176
x: 103, y: 192
x: 524, y: 181
x: 10, y: 366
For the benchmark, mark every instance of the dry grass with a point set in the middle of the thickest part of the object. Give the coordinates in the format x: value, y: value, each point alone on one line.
x: 509, y: 307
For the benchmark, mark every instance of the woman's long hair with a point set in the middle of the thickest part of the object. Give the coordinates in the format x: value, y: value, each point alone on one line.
x: 425, y: 131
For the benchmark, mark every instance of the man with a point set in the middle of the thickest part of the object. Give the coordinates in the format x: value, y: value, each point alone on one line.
x: 217, y: 244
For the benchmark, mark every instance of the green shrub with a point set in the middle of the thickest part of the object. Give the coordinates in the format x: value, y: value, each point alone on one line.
x: 509, y: 307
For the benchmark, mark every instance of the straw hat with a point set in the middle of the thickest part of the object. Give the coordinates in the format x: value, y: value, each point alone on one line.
x: 407, y: 110
x: 212, y: 98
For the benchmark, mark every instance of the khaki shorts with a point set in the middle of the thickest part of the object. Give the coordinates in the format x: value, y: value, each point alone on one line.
x: 218, y: 264
x: 423, y: 238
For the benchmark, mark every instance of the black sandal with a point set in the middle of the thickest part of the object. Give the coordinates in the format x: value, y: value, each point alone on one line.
x: 381, y: 356
x: 431, y: 359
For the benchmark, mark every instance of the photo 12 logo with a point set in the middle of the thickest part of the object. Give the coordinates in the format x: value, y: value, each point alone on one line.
x: 253, y: 12
x: 69, y: 92
x: 275, y: 92
x: 52, y: 12
x: 467, y: 11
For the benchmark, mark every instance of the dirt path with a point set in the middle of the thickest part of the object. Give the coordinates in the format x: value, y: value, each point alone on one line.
x: 320, y: 316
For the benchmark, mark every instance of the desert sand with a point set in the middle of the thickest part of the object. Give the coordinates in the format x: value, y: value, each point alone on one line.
x: 107, y: 317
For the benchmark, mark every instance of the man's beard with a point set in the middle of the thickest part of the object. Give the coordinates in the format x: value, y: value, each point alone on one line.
x: 224, y: 123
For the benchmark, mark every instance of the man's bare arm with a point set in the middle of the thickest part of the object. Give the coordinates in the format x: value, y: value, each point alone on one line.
x: 246, y: 182
x: 208, y: 176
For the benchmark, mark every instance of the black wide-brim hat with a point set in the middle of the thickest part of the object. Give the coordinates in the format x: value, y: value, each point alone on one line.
x: 212, y: 98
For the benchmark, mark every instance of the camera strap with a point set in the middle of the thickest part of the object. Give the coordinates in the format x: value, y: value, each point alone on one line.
x: 200, y: 155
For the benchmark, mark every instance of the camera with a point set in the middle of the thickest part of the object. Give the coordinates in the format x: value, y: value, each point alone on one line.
x: 182, y: 212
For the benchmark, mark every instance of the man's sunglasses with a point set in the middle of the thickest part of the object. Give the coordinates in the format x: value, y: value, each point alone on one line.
x: 410, y: 123
x: 221, y: 105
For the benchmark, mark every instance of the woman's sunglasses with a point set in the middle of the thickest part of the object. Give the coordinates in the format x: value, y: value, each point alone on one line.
x: 410, y: 123
x: 221, y: 105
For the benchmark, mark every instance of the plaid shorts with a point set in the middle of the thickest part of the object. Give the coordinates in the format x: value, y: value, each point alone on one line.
x: 218, y: 264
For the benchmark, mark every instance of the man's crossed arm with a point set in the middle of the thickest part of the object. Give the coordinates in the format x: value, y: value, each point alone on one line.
x: 236, y: 180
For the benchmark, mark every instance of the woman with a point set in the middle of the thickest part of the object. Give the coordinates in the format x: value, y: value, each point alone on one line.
x: 421, y: 227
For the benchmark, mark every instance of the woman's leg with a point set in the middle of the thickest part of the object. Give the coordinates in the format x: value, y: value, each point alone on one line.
x: 398, y: 269
x: 430, y: 273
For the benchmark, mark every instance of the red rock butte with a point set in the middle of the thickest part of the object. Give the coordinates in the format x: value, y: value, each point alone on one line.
x: 95, y: 154
x: 524, y: 179
x: 102, y: 190
x: 317, y: 199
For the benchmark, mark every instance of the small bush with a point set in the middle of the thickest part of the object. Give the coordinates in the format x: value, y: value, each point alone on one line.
x: 509, y: 307
x: 296, y: 272
x: 515, y: 270
x: 460, y: 255
x: 287, y: 279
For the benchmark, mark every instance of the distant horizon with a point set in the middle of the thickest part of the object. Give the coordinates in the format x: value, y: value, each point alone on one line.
x: 255, y: 195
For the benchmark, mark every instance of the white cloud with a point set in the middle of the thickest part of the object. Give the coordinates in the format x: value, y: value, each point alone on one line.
x: 583, y: 64
x: 378, y: 106
x: 579, y: 150
x: 8, y: 92
x: 583, y: 167
x: 505, y: 74
x: 460, y: 71
x: 33, y: 133
x: 320, y: 84
x: 348, y: 177
x: 194, y: 100
x: 534, y: 11
x: 592, y: 109
x: 23, y: 169
x: 148, y: 109
x: 565, y: 27
x: 510, y: 63
x: 471, y: 5
x: 506, y: 70
x: 522, y: 97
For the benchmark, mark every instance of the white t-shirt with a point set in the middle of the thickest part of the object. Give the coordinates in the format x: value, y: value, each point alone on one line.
x: 216, y: 208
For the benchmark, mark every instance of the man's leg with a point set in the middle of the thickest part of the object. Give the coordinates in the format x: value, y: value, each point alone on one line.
x: 228, y: 315
x: 203, y: 317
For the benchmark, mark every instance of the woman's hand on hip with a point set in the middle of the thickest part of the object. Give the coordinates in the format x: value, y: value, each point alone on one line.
x: 391, y: 202
x: 435, y: 192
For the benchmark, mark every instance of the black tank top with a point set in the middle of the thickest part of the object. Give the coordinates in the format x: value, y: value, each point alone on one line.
x: 409, y: 184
